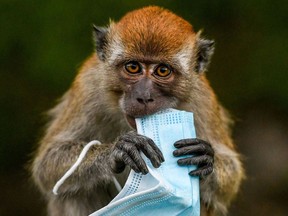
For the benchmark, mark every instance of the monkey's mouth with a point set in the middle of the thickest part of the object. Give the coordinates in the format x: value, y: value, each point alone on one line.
x: 131, y: 121
x: 131, y: 118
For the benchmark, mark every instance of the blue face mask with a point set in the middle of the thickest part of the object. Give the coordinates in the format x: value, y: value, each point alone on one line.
x: 167, y: 190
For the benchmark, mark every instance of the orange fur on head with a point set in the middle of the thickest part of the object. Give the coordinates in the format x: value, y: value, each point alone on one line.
x: 153, y: 30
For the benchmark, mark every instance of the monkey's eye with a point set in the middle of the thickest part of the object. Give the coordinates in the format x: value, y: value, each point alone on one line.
x: 133, y: 67
x: 162, y: 71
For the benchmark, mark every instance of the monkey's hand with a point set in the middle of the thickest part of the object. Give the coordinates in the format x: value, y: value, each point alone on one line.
x: 126, y: 151
x: 202, y: 155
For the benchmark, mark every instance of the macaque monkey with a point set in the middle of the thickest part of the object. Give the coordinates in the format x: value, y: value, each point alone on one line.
x: 148, y: 61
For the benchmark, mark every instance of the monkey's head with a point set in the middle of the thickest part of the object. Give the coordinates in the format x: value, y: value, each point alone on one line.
x: 153, y: 60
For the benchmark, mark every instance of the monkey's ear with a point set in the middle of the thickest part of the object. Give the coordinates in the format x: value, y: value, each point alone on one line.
x: 100, y: 39
x: 205, y: 50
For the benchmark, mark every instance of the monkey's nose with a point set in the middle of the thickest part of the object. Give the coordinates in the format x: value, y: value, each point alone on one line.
x: 145, y: 101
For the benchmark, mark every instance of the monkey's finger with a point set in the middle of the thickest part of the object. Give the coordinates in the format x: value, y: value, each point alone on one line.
x: 155, y: 157
x: 204, y: 147
x: 145, y: 142
x: 129, y: 162
x: 190, y: 141
x: 202, y: 171
x: 140, y: 142
x: 150, y: 153
x: 196, y: 160
x: 116, y: 163
x: 131, y: 150
x: 194, y: 149
x: 156, y: 149
x: 136, y: 157
x: 140, y: 163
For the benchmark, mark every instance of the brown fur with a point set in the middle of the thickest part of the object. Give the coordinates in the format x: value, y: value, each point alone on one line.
x: 90, y: 110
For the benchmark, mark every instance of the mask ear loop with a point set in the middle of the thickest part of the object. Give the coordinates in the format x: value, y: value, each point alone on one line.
x: 76, y: 164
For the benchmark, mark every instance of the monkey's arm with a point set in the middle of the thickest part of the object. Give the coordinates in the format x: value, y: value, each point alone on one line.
x: 219, y: 168
x: 59, y: 155
x: 98, y: 164
x: 219, y: 188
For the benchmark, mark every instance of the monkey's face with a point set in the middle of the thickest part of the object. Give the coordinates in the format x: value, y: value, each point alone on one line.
x: 153, y: 65
x: 146, y: 88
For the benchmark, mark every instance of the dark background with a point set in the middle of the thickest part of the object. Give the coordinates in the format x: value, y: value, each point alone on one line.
x: 42, y: 43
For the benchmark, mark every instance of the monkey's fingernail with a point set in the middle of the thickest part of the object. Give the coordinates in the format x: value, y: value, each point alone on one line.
x: 136, y: 170
x: 176, y: 145
x: 162, y: 159
x: 145, y: 171
x: 176, y: 153
x: 181, y: 162
x: 157, y: 164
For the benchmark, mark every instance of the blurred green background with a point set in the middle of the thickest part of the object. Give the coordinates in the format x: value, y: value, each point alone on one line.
x: 42, y: 43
